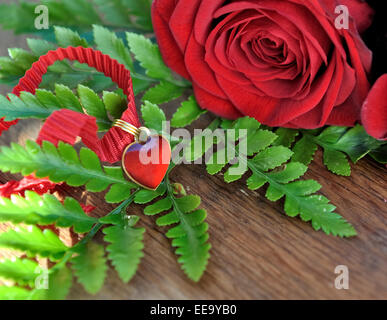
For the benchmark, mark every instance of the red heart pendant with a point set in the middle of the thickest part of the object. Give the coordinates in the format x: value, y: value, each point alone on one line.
x: 147, y: 163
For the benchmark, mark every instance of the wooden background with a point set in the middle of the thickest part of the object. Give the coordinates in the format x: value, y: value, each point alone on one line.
x: 257, y: 252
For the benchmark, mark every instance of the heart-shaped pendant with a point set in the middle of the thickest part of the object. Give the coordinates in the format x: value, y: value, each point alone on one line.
x: 146, y: 160
x: 147, y: 163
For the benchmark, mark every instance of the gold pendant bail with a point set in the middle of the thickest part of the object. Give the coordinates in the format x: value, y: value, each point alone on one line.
x: 140, y: 134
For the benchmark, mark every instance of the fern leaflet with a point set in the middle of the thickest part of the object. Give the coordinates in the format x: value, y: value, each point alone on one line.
x: 63, y: 164
x: 33, y: 241
x: 21, y: 271
x: 90, y: 266
x: 45, y: 210
x: 125, y: 246
x: 189, y: 235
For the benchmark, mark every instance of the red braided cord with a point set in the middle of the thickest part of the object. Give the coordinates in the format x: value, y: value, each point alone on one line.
x: 66, y: 125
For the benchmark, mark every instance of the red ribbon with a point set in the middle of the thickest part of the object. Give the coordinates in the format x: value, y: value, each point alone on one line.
x: 40, y: 186
x: 66, y: 125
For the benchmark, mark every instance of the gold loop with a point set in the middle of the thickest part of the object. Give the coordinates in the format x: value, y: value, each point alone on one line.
x: 127, y: 127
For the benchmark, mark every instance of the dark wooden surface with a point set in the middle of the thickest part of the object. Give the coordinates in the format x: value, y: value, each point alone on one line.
x: 257, y: 252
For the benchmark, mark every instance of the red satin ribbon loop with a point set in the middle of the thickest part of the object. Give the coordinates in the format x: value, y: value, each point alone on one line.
x: 66, y: 125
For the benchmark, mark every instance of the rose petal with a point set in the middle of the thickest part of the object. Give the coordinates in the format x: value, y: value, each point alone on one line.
x: 199, y: 70
x: 181, y: 21
x: 215, y: 104
x: 169, y: 49
x: 374, y: 110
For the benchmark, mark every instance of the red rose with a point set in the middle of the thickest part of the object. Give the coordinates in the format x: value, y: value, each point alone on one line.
x: 374, y: 111
x: 282, y: 62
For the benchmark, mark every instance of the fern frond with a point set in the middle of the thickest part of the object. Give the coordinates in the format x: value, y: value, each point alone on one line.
x: 14, y: 67
x: 45, y: 210
x: 154, y: 70
x: 90, y: 266
x: 338, y: 144
x: 270, y: 166
x: 33, y: 241
x: 63, y: 164
x: 125, y: 246
x: 78, y: 14
x: 44, y: 103
x: 190, y: 235
x: 21, y: 271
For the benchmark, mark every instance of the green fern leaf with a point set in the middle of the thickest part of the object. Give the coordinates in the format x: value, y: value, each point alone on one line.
x: 59, y: 284
x: 356, y: 143
x: 304, y: 151
x: 149, y: 56
x: 285, y: 137
x: 33, y: 241
x: 22, y: 57
x: 39, y: 47
x: 270, y: 166
x: 259, y: 140
x: 337, y: 143
x: 201, y: 143
x: 109, y: 44
x: 380, y: 154
x: 188, y: 112
x: 45, y: 210
x: 71, y: 74
x: 94, y: 107
x: 67, y: 37
x: 22, y: 271
x: 44, y: 103
x: 67, y: 98
x: 144, y: 196
x: 189, y: 235
x: 114, y: 103
x: 75, y: 13
x: 125, y: 247
x: 90, y: 266
x: 337, y: 162
x: 25, y: 106
x: 163, y: 92
x: 158, y: 207
x: 153, y: 116
x: 15, y: 293
x: 62, y: 164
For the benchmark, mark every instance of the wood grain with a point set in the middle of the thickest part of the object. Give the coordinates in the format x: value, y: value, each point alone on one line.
x: 257, y: 252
